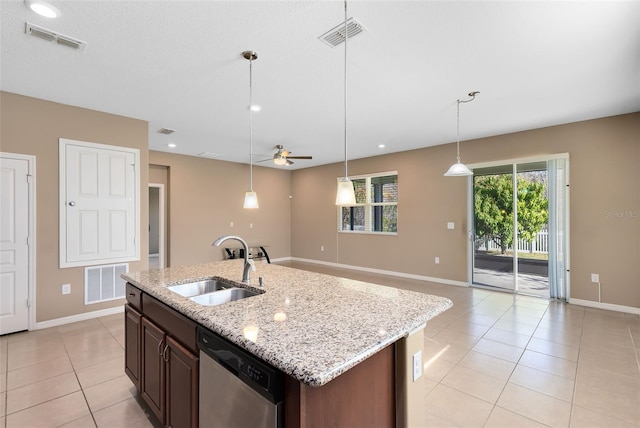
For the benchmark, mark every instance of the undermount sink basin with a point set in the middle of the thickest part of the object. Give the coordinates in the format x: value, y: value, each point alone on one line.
x: 200, y: 287
x: 223, y: 296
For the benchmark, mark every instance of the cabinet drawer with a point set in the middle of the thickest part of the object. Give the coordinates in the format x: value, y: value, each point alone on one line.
x: 173, y: 322
x: 134, y: 296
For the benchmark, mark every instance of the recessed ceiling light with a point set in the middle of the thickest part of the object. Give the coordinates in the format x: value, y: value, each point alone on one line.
x: 381, y: 146
x: 43, y: 8
x: 172, y: 145
x: 255, y: 107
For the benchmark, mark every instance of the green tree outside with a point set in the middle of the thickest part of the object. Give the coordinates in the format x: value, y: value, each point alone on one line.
x: 493, y: 204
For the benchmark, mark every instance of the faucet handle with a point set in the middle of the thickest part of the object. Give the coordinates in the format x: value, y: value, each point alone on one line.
x: 252, y: 264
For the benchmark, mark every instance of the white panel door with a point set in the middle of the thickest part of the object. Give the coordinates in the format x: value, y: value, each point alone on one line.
x: 14, y: 246
x: 99, y: 205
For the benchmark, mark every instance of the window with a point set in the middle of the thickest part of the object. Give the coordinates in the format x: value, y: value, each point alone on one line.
x: 376, y: 208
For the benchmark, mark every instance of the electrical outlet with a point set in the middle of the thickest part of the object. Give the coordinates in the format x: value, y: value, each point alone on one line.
x: 231, y: 224
x: 250, y: 225
x: 417, y: 365
x: 595, y: 277
x: 66, y: 288
x: 321, y: 247
x: 437, y: 260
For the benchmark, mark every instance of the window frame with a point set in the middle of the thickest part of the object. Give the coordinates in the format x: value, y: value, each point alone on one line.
x: 368, y: 206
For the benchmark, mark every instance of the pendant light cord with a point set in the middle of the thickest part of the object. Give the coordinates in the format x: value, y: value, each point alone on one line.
x: 458, y: 135
x: 250, y: 124
x: 346, y: 37
x: 473, y: 97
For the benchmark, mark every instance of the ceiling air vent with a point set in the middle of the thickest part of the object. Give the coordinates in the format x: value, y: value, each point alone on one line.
x: 209, y: 155
x: 166, y: 131
x: 52, y: 36
x: 335, y: 36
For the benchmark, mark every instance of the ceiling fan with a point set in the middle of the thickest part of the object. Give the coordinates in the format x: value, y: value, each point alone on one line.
x: 282, y: 157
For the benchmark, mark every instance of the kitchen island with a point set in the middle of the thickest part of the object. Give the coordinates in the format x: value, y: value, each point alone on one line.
x: 319, y: 330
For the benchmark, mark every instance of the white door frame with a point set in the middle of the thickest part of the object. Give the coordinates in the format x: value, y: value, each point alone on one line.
x: 470, y: 209
x: 161, y: 226
x: 31, y: 271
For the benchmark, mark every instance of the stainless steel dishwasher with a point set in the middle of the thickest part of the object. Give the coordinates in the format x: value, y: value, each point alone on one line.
x: 237, y: 390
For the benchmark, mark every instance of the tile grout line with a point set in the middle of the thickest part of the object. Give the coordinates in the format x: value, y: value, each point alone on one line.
x: 75, y: 373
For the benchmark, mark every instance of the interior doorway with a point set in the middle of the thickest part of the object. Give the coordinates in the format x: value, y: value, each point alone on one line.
x: 157, y: 252
x: 518, y: 239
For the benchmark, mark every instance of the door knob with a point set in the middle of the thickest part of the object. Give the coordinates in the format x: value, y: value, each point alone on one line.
x: 72, y: 204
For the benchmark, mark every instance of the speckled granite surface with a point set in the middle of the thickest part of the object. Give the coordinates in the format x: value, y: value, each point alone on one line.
x: 311, y: 326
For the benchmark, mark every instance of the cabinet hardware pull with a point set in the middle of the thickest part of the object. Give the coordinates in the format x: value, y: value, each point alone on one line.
x: 132, y: 294
x: 164, y: 354
x: 159, y: 346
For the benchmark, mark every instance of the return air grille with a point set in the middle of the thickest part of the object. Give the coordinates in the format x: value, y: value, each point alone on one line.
x: 209, y: 155
x: 103, y: 283
x: 335, y: 36
x: 52, y: 36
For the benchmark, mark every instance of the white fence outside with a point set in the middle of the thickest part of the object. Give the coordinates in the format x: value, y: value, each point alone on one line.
x: 538, y: 245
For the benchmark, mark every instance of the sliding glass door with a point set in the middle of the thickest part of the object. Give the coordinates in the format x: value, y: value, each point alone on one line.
x: 518, y: 227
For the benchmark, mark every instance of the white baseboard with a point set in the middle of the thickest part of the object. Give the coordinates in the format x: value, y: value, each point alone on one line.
x: 606, y: 306
x: 79, y: 317
x: 385, y: 272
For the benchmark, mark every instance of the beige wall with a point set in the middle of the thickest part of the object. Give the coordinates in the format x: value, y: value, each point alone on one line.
x: 207, y: 195
x: 32, y: 126
x: 605, y: 178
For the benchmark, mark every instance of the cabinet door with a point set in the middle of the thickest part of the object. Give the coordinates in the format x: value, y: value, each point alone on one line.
x: 182, y: 386
x: 153, y: 368
x: 132, y: 342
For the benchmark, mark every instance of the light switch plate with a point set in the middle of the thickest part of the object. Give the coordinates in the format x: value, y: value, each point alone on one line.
x: 66, y: 288
x: 451, y: 225
x: 595, y: 277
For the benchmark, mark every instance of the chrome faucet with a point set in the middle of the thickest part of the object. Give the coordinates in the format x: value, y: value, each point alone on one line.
x: 248, y: 263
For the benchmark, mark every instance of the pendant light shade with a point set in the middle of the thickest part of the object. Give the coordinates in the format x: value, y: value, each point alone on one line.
x: 250, y: 197
x: 345, y: 194
x: 459, y: 169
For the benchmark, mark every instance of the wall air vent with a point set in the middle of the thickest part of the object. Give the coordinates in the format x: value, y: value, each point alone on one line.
x: 209, y: 155
x: 166, y: 131
x: 52, y: 36
x: 335, y: 36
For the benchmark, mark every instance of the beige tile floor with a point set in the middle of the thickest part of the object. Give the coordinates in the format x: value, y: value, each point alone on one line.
x: 493, y: 360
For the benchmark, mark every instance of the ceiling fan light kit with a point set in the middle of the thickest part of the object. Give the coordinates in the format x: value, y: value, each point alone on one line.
x: 250, y: 197
x: 459, y: 169
x: 345, y: 194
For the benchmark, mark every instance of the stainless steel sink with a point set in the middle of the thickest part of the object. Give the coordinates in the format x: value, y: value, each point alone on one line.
x: 200, y: 287
x: 224, y: 296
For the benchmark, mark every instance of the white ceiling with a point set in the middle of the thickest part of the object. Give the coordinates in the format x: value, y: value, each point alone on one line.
x: 178, y: 64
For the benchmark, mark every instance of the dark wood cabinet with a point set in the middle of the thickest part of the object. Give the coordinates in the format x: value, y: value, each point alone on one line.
x: 153, y: 370
x: 182, y: 386
x: 132, y: 332
x: 161, y: 360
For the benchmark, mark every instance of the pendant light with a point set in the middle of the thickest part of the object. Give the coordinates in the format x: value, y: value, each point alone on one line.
x: 250, y: 197
x: 345, y: 194
x: 459, y: 169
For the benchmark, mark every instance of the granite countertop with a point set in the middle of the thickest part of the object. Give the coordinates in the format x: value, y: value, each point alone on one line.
x: 311, y: 326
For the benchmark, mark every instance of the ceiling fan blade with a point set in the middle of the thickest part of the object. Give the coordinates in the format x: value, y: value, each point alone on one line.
x: 299, y: 157
x: 263, y: 160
